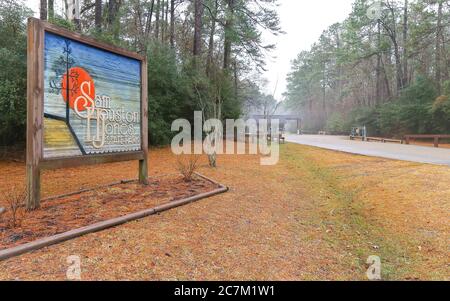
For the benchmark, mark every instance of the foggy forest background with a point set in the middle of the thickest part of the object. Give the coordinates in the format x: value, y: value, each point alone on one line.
x: 390, y: 74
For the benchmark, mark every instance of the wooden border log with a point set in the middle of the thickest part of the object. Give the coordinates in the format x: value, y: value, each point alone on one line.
x: 58, y: 238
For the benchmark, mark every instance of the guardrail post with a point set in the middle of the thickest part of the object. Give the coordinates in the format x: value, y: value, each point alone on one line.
x: 436, y: 141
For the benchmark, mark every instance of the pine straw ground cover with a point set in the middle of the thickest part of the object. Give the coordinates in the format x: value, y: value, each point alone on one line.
x: 318, y: 214
x: 76, y: 211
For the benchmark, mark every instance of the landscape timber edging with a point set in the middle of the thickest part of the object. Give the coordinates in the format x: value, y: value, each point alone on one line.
x: 58, y: 238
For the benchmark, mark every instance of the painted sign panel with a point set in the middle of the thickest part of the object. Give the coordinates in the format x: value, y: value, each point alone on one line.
x: 86, y: 104
x: 92, y: 100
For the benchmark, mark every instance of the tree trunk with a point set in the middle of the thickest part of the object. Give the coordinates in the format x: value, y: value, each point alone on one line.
x: 228, y: 35
x: 405, y: 44
x: 386, y: 81
x: 111, y: 9
x: 392, y: 33
x: 163, y: 25
x: 209, y: 60
x: 139, y: 35
x: 51, y: 9
x: 378, y: 70
x: 166, y: 21
x: 158, y: 12
x: 148, y: 26
x: 398, y: 67
x: 236, y: 79
x: 43, y: 10
x: 198, y: 14
x: 339, y: 83
x: 438, y: 47
x: 98, y: 15
x: 324, y: 96
x: 172, y: 24
x: 212, y: 158
x: 76, y: 15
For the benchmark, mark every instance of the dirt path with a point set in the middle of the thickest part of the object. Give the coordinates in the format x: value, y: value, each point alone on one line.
x: 317, y: 215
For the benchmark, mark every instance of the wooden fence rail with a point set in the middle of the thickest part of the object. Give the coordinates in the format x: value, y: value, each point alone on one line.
x: 435, y: 138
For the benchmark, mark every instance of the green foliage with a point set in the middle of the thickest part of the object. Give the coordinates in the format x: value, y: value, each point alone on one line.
x: 414, y: 107
x: 366, y: 70
x: 61, y: 22
x: 13, y: 70
x: 412, y: 112
x: 170, y: 93
x: 177, y: 85
x: 177, y: 90
x: 336, y: 124
x: 440, y: 110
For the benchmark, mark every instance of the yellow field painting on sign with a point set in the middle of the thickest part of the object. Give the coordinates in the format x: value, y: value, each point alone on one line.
x: 57, y: 137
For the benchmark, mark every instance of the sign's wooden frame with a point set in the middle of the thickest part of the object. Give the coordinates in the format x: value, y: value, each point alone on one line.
x: 35, y: 161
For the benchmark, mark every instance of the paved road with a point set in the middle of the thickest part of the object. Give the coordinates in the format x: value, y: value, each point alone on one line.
x: 396, y: 151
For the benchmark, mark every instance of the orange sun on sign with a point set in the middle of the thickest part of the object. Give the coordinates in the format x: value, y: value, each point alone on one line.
x: 80, y: 86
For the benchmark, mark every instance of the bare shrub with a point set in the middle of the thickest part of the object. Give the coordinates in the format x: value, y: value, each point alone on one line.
x: 16, y: 207
x: 187, y: 167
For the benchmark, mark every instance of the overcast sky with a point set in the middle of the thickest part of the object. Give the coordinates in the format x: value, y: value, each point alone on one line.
x: 303, y: 21
x: 34, y: 5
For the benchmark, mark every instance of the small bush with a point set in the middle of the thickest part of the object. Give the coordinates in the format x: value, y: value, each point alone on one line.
x: 16, y: 207
x: 187, y: 167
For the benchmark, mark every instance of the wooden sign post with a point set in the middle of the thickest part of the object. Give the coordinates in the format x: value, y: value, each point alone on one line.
x: 87, y: 104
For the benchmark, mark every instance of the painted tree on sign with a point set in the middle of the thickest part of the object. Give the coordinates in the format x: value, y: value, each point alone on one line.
x: 65, y: 82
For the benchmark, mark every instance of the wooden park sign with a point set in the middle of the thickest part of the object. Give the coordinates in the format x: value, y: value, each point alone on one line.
x: 87, y: 104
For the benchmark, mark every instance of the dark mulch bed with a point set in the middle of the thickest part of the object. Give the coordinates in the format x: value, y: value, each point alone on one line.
x: 72, y: 212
